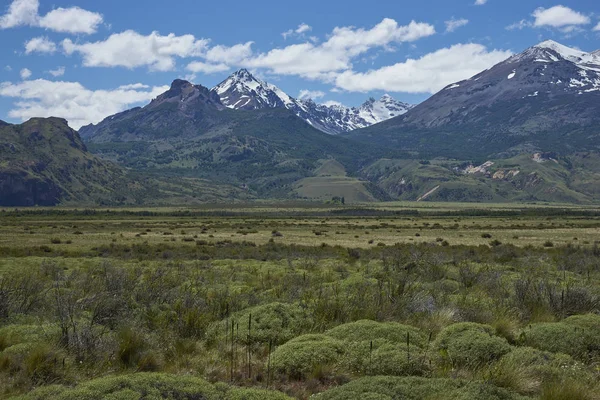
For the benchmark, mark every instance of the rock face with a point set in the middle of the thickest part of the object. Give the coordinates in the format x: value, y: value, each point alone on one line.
x: 546, y: 98
x: 243, y: 91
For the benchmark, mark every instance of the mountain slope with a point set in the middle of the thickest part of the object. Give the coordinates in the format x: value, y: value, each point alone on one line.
x: 243, y: 91
x: 187, y: 132
x: 44, y: 162
x: 544, y: 99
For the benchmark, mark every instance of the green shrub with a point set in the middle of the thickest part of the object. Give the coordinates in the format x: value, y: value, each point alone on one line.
x: 277, y: 322
x: 255, y: 394
x: 415, y: 388
x: 367, y: 330
x: 557, y: 337
x: 306, y: 354
x: 381, y: 357
x: 470, y: 345
x: 136, y: 386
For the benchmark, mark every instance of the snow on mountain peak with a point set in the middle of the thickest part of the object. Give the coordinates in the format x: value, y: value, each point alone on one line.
x: 242, y: 90
x: 565, y: 52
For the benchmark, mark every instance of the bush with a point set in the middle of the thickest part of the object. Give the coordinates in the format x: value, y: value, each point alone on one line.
x: 555, y: 337
x: 277, y: 322
x: 578, y: 336
x: 384, y: 359
x: 366, y: 330
x: 415, y: 388
x: 306, y: 354
x: 470, y: 345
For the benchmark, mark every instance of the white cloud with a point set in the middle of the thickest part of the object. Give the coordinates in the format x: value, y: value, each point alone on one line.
x: 299, y: 31
x: 332, y: 103
x: 318, y: 61
x: 302, y: 28
x: 25, y: 73
x: 130, y: 49
x: 558, y: 17
x: 60, y: 71
x: 70, y: 20
x: 229, y: 55
x: 40, y: 45
x: 199, y: 66
x: 480, y: 2
x: 133, y: 86
x: 597, y: 27
x: 519, y: 25
x: 19, y: 13
x: 72, y: 101
x: 454, y: 24
x: 427, y: 74
x: 8, y: 68
x: 310, y: 94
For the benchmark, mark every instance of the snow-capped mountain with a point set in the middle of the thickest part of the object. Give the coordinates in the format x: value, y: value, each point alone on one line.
x: 546, y: 98
x: 243, y: 91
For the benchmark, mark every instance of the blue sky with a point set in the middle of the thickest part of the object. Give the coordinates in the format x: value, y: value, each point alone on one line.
x: 84, y: 60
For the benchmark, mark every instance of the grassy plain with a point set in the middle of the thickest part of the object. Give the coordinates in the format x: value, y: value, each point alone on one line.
x: 394, y: 300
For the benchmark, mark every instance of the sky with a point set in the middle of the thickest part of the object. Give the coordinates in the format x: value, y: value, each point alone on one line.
x: 84, y: 60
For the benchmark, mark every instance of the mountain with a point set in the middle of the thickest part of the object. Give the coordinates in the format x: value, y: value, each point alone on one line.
x: 545, y: 99
x: 43, y: 162
x: 242, y: 91
x: 188, y: 132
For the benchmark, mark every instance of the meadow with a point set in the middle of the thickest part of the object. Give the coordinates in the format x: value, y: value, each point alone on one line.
x: 263, y: 301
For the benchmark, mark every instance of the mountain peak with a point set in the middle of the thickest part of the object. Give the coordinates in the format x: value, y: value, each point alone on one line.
x: 179, y: 83
x: 550, y: 51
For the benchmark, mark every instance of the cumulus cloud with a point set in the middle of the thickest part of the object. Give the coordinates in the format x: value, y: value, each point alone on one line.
x: 25, y: 73
x: 345, y: 43
x: 60, y: 71
x: 480, y: 2
x: 454, y: 24
x: 40, y: 45
x: 19, y: 13
x: 205, y: 68
x: 428, y: 74
x: 69, y: 20
x: 72, y: 101
x: 229, y: 55
x: 130, y: 49
x: 559, y: 17
x: 299, y: 31
x: 310, y: 94
x: 597, y: 27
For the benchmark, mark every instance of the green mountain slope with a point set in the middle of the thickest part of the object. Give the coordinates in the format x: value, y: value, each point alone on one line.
x: 187, y: 133
x: 44, y: 162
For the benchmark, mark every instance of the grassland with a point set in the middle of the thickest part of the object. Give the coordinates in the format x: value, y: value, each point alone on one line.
x: 261, y: 301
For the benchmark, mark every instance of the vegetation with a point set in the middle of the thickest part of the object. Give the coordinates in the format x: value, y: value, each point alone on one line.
x: 211, y: 303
